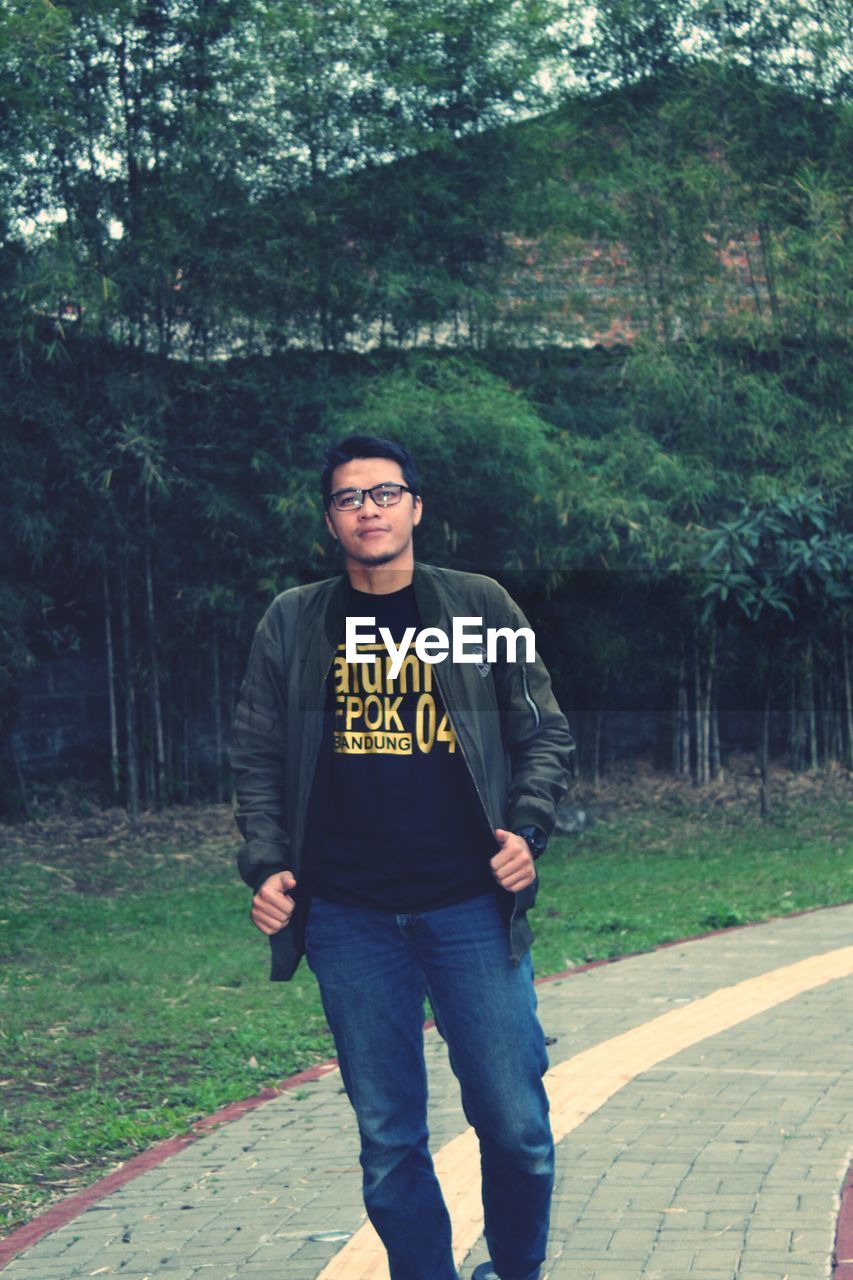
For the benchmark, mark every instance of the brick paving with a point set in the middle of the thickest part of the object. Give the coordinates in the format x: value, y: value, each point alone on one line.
x: 722, y: 1162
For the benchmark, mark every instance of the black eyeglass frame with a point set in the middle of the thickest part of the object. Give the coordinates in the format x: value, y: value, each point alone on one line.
x: 388, y: 484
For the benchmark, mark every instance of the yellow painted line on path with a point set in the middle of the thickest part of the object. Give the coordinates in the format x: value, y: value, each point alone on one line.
x: 582, y: 1084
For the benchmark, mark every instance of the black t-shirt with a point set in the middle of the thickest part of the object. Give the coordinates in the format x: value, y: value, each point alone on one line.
x: 395, y: 822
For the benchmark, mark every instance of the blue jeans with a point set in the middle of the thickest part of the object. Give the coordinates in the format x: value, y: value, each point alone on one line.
x: 374, y: 968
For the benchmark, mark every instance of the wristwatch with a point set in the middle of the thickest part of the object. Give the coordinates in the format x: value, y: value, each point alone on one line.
x: 536, y: 839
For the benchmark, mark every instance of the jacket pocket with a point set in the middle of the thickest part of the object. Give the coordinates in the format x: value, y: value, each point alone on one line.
x: 246, y: 718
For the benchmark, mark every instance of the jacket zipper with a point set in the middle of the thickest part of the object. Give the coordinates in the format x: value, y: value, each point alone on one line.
x: 533, y: 707
x: 516, y: 959
x: 306, y: 791
x: 537, y: 716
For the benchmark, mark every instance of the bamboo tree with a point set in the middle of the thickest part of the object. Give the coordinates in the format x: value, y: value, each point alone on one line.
x: 700, y: 776
x: 115, y: 764
x: 186, y: 192
x: 130, y: 716
x: 811, y: 707
x: 764, y: 736
x: 161, y: 790
x: 716, y: 752
x: 848, y: 690
x: 782, y: 568
x: 681, y: 739
x: 217, y: 713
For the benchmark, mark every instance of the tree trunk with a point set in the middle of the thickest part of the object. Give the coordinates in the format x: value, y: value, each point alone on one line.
x: 169, y: 745
x: 707, y: 688
x: 151, y: 800
x: 217, y: 716
x: 716, y: 750
x: 759, y: 305
x: 115, y: 763
x: 132, y: 771
x: 697, y: 736
x: 825, y: 703
x: 596, y: 748
x: 837, y: 733
x: 764, y: 752
x: 810, y: 707
x: 681, y: 737
x: 185, y: 740
x: 848, y: 693
x: 700, y: 713
x: 19, y: 778
x: 715, y: 756
x: 235, y: 665
x: 151, y: 627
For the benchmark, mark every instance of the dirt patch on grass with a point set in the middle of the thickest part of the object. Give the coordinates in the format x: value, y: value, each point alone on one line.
x: 102, y: 853
x: 91, y: 851
x: 734, y: 795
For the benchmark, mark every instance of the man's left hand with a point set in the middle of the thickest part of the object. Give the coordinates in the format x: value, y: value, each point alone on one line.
x: 512, y: 866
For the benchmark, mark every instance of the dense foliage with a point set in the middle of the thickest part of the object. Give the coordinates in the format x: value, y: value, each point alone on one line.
x: 595, y: 272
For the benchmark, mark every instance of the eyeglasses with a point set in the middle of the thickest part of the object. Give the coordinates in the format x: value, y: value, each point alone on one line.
x: 384, y: 495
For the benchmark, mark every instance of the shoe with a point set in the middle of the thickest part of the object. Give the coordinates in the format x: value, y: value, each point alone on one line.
x: 485, y: 1271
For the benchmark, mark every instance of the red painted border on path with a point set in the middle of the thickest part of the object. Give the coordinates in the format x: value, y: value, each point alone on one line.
x: 72, y: 1206
x: 66, y: 1210
x: 843, y: 1255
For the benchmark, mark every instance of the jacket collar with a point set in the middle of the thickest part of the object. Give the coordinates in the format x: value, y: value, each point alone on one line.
x: 336, y: 610
x: 426, y: 595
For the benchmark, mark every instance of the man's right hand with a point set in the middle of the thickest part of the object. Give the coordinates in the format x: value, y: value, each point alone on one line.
x: 272, y: 905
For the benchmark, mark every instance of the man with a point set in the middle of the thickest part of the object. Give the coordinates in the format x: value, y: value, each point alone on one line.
x: 392, y: 812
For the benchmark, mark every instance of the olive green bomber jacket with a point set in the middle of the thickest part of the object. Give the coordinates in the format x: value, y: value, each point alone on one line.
x: 511, y: 732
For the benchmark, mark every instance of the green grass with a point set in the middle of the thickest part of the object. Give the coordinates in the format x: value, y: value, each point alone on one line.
x: 134, y: 989
x: 636, y: 883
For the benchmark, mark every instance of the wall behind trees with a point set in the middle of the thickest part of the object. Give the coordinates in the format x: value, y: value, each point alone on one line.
x: 228, y: 235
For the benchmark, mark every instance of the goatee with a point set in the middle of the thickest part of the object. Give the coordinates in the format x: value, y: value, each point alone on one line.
x: 375, y: 562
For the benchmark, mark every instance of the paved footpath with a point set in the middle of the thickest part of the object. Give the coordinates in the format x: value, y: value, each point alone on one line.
x: 701, y: 1096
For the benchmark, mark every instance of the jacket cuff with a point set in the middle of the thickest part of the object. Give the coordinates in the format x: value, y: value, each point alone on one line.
x: 527, y: 814
x: 257, y: 864
x: 262, y: 874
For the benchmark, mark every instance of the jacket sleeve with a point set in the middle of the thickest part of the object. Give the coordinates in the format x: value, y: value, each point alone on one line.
x: 535, y: 732
x: 257, y: 751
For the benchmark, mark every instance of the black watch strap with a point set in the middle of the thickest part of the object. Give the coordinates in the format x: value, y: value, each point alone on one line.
x: 535, y: 837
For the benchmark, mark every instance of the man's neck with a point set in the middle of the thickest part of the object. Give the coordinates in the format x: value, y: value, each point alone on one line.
x: 380, y: 581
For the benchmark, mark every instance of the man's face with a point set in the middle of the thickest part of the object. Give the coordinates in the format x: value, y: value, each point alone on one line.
x: 373, y: 536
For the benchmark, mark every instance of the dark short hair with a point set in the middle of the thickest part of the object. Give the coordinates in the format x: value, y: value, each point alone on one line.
x: 367, y: 447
